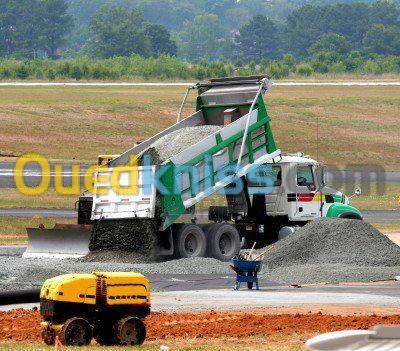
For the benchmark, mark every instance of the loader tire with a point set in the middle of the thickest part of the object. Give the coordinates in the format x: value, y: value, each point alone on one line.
x: 130, y: 331
x: 76, y: 332
x: 223, y: 241
x: 189, y: 241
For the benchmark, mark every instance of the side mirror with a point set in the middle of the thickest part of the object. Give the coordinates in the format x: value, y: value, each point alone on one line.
x: 357, y: 192
x: 320, y: 172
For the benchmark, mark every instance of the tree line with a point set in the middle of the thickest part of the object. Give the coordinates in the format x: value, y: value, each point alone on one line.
x: 334, y: 37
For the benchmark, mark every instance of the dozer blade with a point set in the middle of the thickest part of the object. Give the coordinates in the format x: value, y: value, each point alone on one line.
x: 63, y: 241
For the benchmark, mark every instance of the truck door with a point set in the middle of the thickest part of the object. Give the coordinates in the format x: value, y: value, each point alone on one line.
x: 307, y: 203
x: 269, y: 191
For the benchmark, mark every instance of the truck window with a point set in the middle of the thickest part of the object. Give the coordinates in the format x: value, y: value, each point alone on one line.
x: 305, y: 176
x: 273, y: 174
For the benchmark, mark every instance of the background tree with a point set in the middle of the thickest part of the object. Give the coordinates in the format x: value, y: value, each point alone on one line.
x: 330, y: 42
x: 258, y: 39
x: 161, y: 42
x: 55, y: 24
x: 202, y: 38
x: 303, y: 28
x: 118, y: 32
x: 385, y: 12
x: 382, y: 40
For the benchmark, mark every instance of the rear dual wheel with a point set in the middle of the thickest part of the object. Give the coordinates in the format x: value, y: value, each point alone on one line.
x: 223, y: 241
x: 189, y: 241
x: 218, y: 240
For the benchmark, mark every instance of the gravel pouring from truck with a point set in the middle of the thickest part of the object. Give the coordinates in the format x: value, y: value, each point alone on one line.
x: 228, y: 138
x: 241, y: 140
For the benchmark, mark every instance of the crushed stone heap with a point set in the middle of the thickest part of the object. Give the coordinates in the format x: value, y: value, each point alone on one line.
x: 334, y: 250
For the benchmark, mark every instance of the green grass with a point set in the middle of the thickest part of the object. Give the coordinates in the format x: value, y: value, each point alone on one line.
x: 353, y: 124
x: 13, y: 230
x: 284, y: 342
x: 389, y: 200
x: 50, y: 199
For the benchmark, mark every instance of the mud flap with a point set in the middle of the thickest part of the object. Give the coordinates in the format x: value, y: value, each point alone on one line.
x: 67, y: 241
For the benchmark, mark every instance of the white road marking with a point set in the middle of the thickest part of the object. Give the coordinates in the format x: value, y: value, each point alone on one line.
x: 185, y: 84
x: 11, y: 173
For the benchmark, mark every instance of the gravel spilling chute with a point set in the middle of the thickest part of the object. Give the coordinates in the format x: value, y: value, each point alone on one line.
x: 334, y: 250
x: 139, y: 235
x: 177, y: 141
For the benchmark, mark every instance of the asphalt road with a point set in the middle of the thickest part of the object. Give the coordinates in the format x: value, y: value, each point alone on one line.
x: 181, y: 293
x: 369, y: 216
x: 32, y: 175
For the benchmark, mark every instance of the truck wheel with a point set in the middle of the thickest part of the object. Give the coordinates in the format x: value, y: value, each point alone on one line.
x: 190, y: 241
x: 130, y: 331
x: 223, y: 241
x: 350, y: 215
x: 76, y: 332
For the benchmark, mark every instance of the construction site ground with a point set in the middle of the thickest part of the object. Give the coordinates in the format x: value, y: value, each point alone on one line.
x: 201, y: 311
x: 258, y: 330
x: 189, y: 313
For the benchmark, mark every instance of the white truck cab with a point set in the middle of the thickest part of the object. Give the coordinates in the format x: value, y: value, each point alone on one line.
x: 299, y: 192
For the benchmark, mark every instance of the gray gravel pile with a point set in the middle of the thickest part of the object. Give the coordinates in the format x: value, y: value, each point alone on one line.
x: 177, y: 141
x: 334, y: 250
x: 31, y: 273
x: 124, y: 235
x: 112, y: 256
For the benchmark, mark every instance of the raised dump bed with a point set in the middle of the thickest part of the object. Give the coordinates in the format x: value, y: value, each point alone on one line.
x: 193, y: 159
x: 236, y: 109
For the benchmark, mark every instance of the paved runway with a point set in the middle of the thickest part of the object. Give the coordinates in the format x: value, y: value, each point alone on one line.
x: 205, y: 292
x: 369, y: 216
x: 337, y: 177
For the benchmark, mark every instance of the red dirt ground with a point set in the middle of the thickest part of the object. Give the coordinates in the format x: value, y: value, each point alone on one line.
x: 22, y: 325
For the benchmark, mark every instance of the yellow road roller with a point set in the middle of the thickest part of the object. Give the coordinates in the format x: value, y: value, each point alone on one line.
x: 109, y: 307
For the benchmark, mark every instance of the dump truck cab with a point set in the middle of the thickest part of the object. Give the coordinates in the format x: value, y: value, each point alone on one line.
x: 292, y: 192
x: 298, y: 190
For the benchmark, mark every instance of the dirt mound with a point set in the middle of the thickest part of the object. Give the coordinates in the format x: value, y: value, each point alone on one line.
x: 22, y: 325
x: 334, y: 250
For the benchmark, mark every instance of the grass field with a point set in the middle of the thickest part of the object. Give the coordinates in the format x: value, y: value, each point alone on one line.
x: 275, y: 342
x: 351, y: 124
x: 13, y: 230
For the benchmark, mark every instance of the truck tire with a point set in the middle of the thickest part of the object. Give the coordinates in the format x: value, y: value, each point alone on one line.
x: 189, y: 241
x: 350, y: 215
x: 223, y: 241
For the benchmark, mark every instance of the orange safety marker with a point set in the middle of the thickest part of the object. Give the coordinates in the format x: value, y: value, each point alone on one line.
x: 59, y: 345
